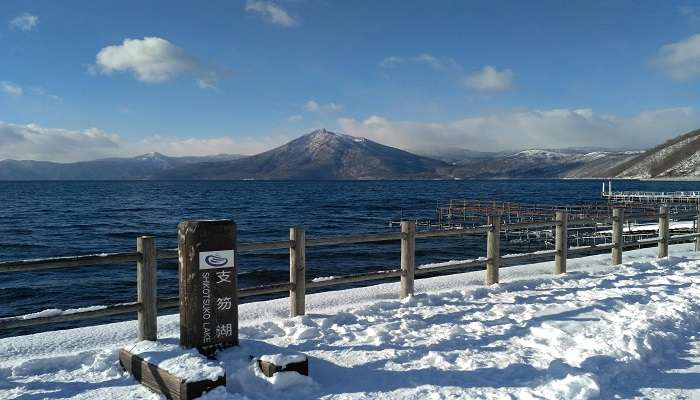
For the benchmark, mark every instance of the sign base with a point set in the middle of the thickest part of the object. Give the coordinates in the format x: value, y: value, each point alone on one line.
x: 269, y: 368
x: 164, y: 382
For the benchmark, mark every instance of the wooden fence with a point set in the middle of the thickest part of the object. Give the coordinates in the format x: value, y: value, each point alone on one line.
x: 146, y: 256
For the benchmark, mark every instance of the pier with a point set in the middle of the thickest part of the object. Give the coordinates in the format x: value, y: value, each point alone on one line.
x: 681, y: 200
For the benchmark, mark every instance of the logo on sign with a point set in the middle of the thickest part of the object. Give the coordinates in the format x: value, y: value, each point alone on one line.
x: 216, y: 259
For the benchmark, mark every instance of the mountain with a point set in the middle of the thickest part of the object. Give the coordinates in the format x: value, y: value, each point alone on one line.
x: 144, y: 166
x: 320, y: 155
x: 676, y: 158
x: 539, y: 163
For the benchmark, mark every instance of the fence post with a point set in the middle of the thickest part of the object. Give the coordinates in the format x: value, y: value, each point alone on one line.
x: 147, y: 288
x: 663, y: 232
x: 618, y: 224
x: 697, y: 232
x: 561, y: 243
x: 408, y: 257
x: 493, y: 256
x: 297, y: 272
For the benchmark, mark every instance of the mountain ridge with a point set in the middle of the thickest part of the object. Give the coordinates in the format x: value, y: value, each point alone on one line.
x: 141, y: 167
x: 676, y: 157
x: 325, y: 155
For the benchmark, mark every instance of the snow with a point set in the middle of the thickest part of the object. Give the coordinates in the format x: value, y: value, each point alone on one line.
x: 52, y: 312
x: 538, y: 153
x: 641, y: 169
x: 184, y: 363
x: 626, y: 331
x: 323, y: 278
x: 655, y: 227
x: 281, y: 360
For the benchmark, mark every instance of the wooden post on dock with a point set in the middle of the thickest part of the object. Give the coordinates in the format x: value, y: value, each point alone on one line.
x: 297, y: 272
x: 663, y: 232
x: 408, y: 258
x: 697, y: 232
x: 493, y: 256
x: 617, y: 238
x: 147, y: 288
x: 561, y: 243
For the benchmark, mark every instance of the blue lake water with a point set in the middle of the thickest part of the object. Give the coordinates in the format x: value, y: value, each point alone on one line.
x: 47, y: 219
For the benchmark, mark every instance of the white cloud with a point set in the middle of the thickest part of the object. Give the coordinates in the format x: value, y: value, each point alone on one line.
x: 313, y: 106
x: 25, y: 22
x: 514, y: 130
x: 39, y: 143
x: 391, y: 61
x: 433, y: 62
x: 153, y: 59
x: 295, y: 118
x: 271, y: 12
x: 681, y: 60
x: 35, y: 142
x: 205, y: 146
x: 11, y: 88
x: 333, y: 107
x: 489, y: 78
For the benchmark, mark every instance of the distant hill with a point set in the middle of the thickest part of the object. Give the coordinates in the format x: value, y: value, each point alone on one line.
x: 145, y: 166
x: 320, y: 155
x: 539, y: 163
x: 676, y: 158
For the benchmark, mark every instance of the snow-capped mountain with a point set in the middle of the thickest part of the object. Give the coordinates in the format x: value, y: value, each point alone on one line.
x: 540, y: 163
x: 321, y: 154
x: 676, y: 158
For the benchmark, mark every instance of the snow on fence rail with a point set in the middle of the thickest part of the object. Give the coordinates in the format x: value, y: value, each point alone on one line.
x: 146, y: 256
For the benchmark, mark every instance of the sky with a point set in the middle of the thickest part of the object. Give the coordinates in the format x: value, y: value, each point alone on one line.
x: 87, y: 79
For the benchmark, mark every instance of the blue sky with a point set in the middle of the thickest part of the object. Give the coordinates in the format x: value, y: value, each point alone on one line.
x: 83, y: 79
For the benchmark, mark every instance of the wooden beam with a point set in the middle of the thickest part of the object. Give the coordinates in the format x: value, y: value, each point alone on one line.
x: 297, y: 272
x: 163, y: 382
x: 115, y: 309
x: 269, y: 369
x: 618, y: 223
x: 147, y: 288
x: 441, y: 268
x: 363, y: 277
x: 408, y: 258
x: 561, y: 245
x: 208, y: 273
x: 349, y: 239
x: 493, y: 249
x: 663, y: 232
x: 66, y: 262
x: 697, y: 230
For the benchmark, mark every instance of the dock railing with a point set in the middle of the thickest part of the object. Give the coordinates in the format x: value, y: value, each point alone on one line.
x: 146, y: 255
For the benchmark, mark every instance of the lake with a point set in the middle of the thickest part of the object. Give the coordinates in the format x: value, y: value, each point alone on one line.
x: 47, y: 219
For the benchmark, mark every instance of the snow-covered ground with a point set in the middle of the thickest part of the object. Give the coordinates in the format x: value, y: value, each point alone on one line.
x: 598, y: 331
x: 655, y: 227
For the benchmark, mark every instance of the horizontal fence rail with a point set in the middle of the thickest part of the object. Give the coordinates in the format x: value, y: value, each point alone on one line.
x: 114, y: 309
x: 147, y: 255
x: 67, y: 262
